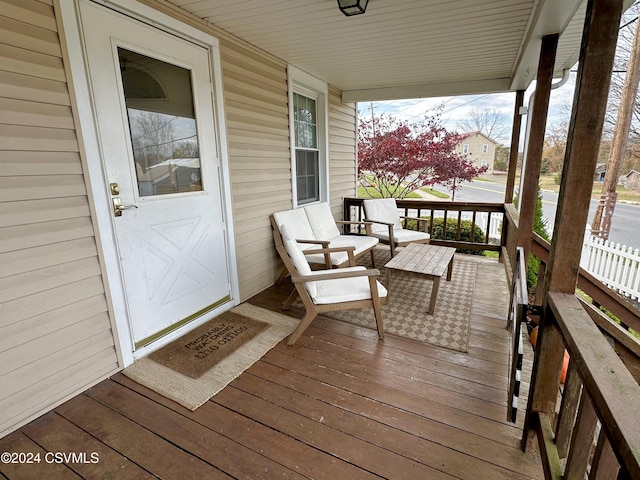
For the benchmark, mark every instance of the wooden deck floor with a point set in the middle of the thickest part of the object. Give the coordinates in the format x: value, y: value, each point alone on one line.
x: 338, y: 405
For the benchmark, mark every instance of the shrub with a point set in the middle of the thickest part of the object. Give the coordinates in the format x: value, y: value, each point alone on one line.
x: 452, y: 228
x: 540, y: 227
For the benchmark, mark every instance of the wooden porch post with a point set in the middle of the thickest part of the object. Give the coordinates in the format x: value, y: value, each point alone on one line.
x: 515, y: 142
x: 585, y: 130
x: 528, y: 196
x: 583, y: 142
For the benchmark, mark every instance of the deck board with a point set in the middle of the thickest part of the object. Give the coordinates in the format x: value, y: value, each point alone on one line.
x: 133, y: 439
x: 338, y: 404
x: 55, y: 433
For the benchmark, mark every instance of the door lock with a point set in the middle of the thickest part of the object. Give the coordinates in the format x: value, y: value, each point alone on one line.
x: 118, y: 208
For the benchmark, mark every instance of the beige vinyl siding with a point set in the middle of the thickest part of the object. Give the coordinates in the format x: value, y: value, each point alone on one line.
x: 342, y: 151
x: 257, y: 121
x: 255, y: 91
x: 55, y: 330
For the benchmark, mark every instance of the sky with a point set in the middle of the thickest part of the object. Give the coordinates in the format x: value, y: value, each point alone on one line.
x: 458, y: 107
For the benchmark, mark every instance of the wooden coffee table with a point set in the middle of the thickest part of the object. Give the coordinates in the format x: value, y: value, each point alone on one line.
x: 423, y: 259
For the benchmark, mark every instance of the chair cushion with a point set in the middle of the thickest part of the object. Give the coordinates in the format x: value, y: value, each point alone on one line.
x: 401, y: 235
x: 296, y: 222
x: 345, y: 289
x: 321, y: 221
x: 297, y: 258
x: 382, y: 210
x: 360, y: 243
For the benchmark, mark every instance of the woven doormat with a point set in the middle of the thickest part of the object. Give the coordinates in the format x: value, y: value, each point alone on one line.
x: 405, y: 313
x: 193, y: 392
x: 199, y: 350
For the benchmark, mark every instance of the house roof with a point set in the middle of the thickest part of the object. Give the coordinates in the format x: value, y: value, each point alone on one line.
x: 470, y: 134
x: 406, y: 48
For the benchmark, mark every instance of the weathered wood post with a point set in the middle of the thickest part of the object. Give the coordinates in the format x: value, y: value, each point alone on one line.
x: 587, y: 118
x: 535, y: 144
x: 515, y: 142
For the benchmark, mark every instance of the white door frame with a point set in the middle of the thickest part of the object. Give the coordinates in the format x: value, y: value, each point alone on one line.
x: 94, y: 164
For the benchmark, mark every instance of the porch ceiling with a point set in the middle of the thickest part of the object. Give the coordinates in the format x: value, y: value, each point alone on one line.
x: 405, y: 48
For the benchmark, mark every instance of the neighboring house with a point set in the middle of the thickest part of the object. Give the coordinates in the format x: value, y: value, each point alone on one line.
x: 632, y: 180
x: 479, y: 148
x: 601, y: 170
x: 115, y: 235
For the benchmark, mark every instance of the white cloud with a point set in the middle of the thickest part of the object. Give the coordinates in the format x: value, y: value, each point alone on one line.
x: 456, y: 108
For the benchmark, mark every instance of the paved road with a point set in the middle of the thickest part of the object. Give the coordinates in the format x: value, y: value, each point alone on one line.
x: 625, y: 225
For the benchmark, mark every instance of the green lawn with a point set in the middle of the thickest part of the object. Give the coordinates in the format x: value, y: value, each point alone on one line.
x: 435, y: 193
x: 368, y: 192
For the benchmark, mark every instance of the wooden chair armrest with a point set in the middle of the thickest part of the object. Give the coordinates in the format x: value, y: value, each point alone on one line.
x: 378, y: 221
x: 346, y: 248
x: 356, y: 222
x: 324, y: 243
x: 418, y: 219
x: 367, y: 224
x: 328, y: 251
x: 389, y: 225
x: 335, y: 274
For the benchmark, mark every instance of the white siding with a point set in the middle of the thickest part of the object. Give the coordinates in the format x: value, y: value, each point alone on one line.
x: 55, y: 331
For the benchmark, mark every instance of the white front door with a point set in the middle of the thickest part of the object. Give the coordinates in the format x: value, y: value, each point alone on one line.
x: 154, y: 107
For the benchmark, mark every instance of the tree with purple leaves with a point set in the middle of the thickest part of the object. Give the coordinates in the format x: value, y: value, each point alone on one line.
x: 396, y: 157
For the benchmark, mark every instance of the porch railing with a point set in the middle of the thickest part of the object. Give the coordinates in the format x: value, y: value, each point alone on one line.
x: 596, y: 428
x: 485, y: 217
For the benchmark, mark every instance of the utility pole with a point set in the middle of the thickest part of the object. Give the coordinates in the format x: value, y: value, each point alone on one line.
x: 373, y: 121
x: 602, y: 217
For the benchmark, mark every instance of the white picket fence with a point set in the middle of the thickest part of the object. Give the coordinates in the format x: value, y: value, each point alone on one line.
x: 616, y: 266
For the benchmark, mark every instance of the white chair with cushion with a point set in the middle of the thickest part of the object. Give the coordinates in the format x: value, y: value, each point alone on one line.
x: 328, y: 290
x: 387, y: 224
x: 314, y: 227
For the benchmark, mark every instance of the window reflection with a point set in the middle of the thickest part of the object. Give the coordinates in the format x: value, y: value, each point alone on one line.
x: 162, y: 125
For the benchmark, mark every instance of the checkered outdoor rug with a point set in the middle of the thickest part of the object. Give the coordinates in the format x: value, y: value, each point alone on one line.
x: 405, y: 313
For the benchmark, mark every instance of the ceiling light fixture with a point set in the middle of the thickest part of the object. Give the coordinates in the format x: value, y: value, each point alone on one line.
x: 352, y: 7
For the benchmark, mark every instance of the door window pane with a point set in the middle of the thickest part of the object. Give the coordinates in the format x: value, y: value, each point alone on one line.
x: 162, y: 125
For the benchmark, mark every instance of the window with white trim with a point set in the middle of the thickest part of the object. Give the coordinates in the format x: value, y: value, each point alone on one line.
x: 465, y: 148
x: 485, y: 148
x: 307, y: 153
x: 308, y: 126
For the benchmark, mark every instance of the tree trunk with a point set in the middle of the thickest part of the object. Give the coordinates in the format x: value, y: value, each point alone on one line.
x: 621, y: 133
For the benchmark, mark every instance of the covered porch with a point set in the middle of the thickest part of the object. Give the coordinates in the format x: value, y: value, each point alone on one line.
x: 342, y: 404
x: 338, y: 404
